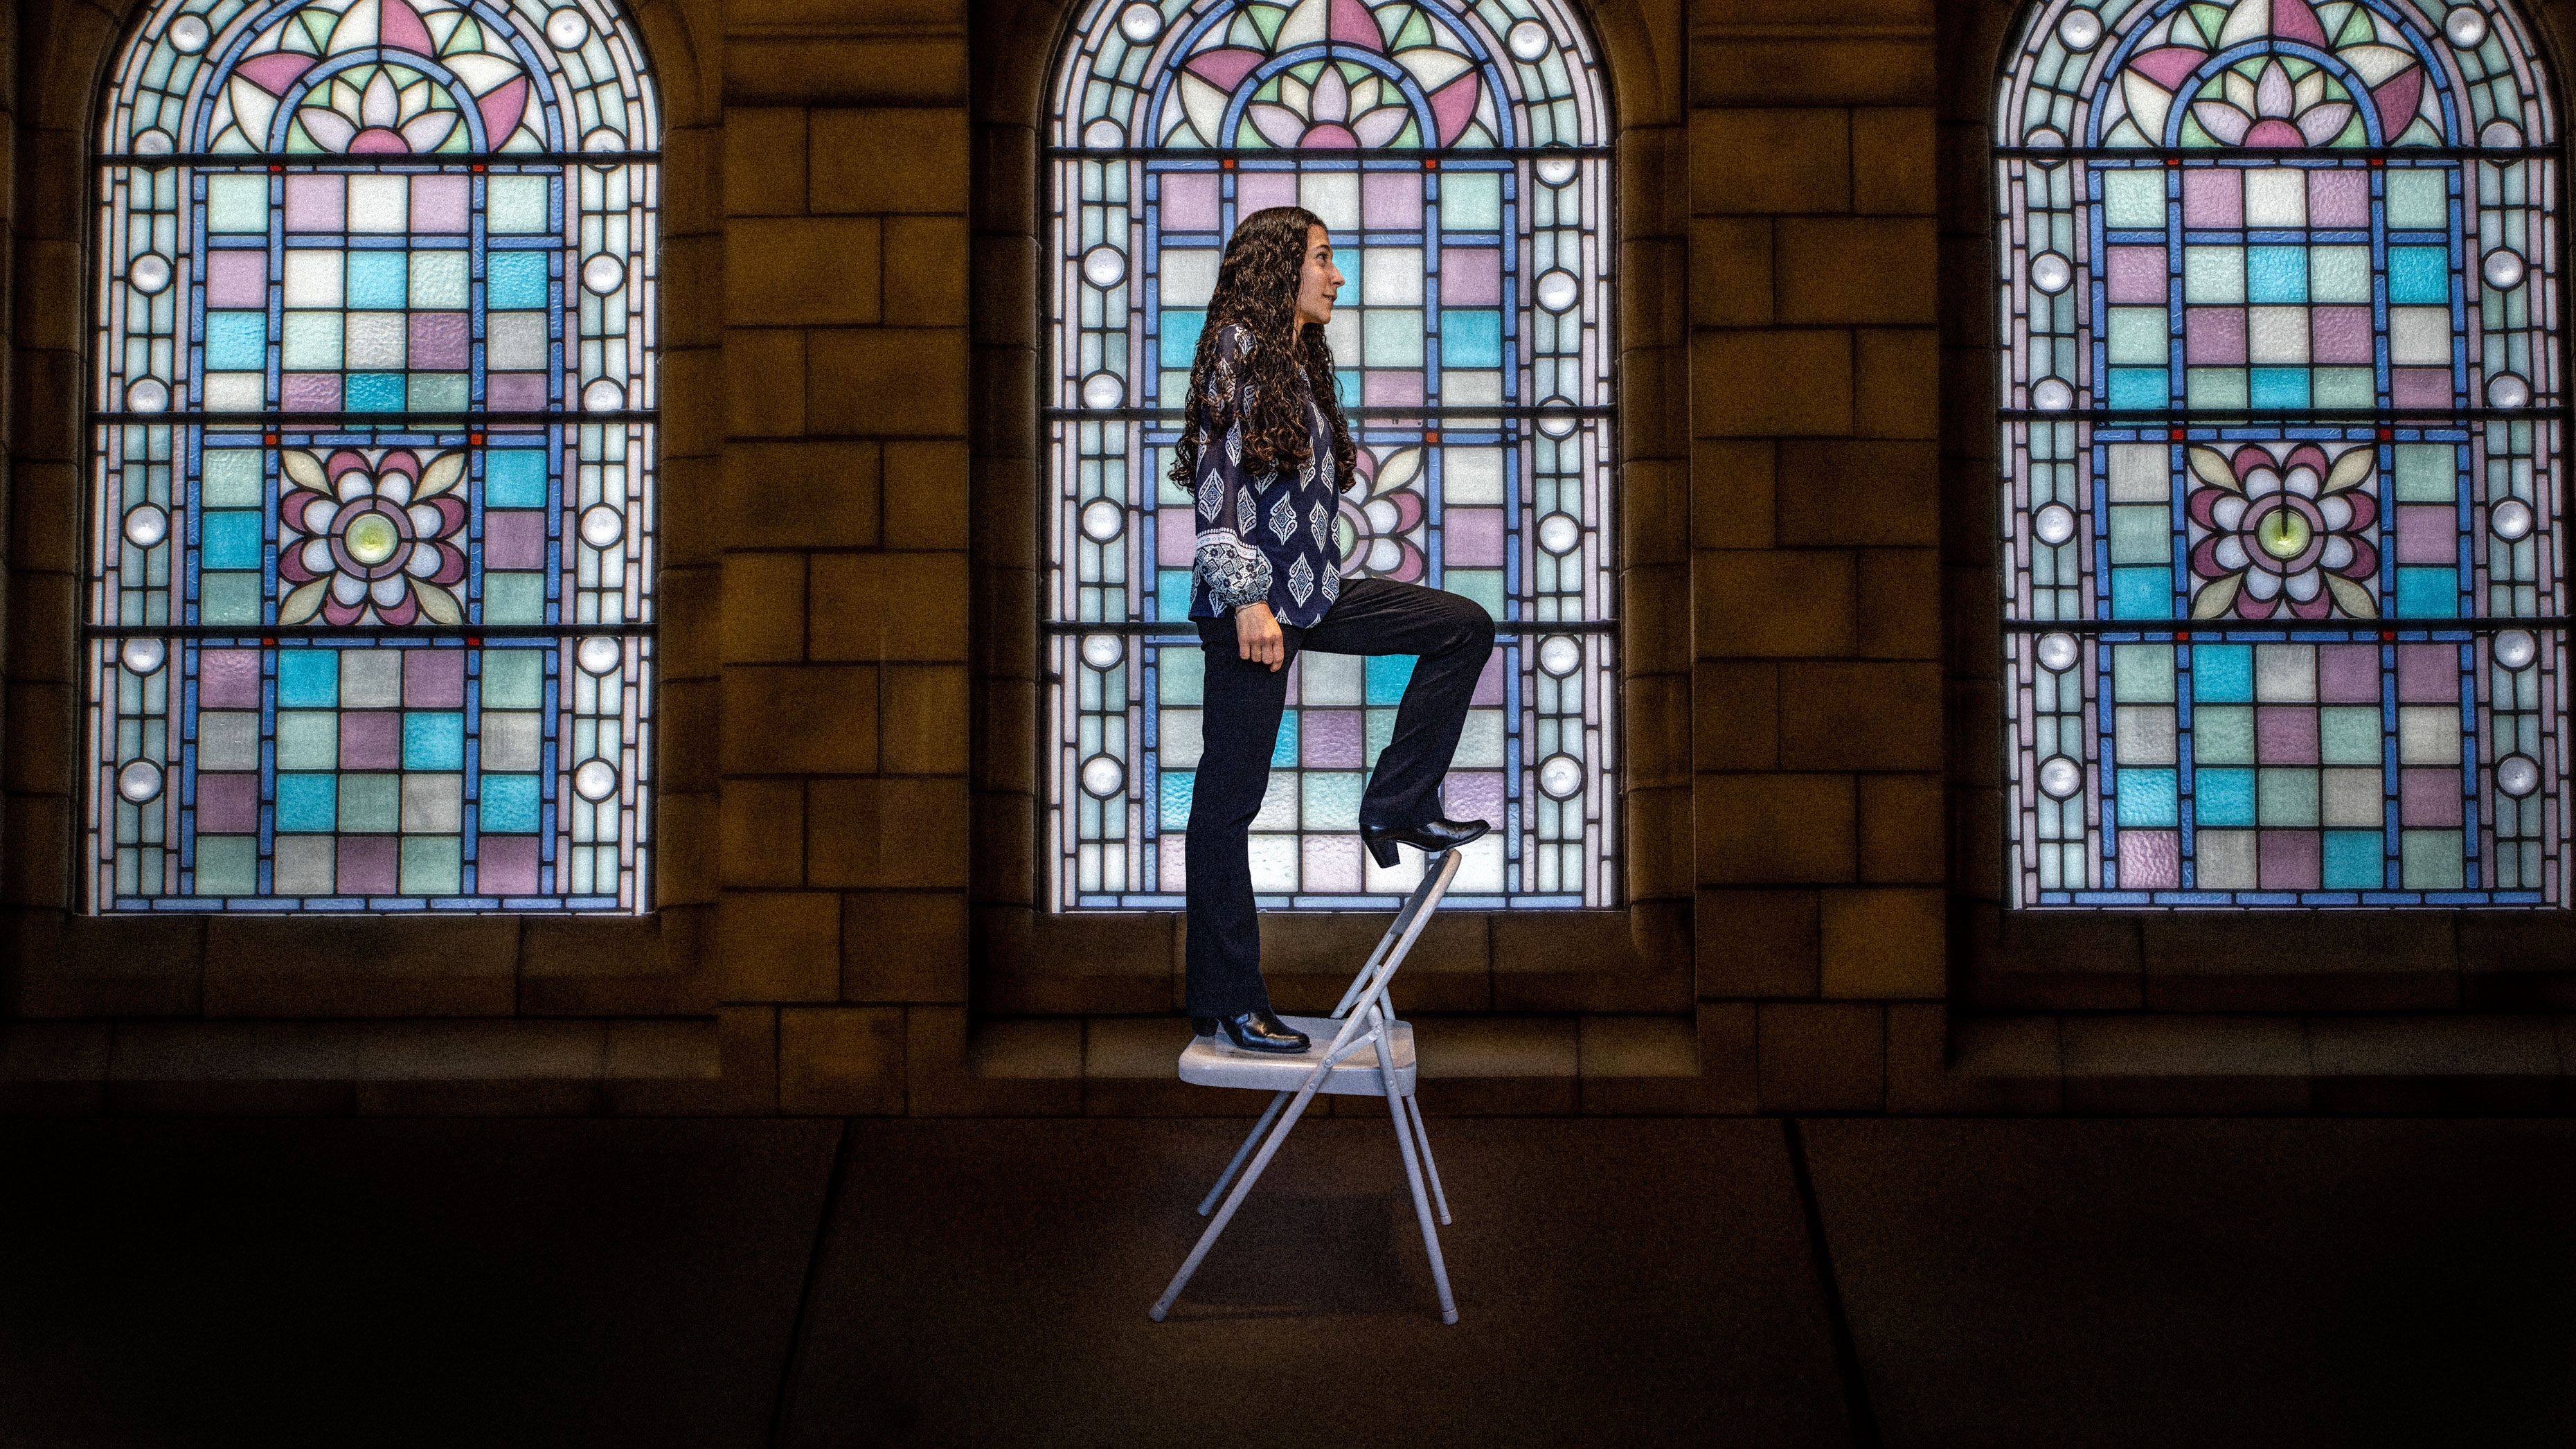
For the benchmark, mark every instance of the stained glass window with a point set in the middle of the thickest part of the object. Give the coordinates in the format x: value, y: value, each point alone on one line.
x: 370, y: 615
x: 2282, y: 433
x: 1458, y: 154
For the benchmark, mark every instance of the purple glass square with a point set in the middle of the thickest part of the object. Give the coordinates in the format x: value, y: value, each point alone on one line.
x: 2213, y: 197
x: 237, y: 279
x: 315, y: 203
x: 1470, y: 276
x: 1332, y: 863
x: 1391, y: 389
x: 371, y: 740
x: 1473, y: 795
x: 438, y: 203
x: 1489, y: 683
x: 1472, y: 537
x: 2348, y: 673
x: 2288, y: 860
x: 1391, y: 201
x: 313, y: 391
x: 367, y: 864
x: 517, y: 540
x: 1176, y: 539
x: 506, y: 865
x: 1175, y: 862
x: 2429, y: 797
x: 228, y: 679
x: 2137, y: 274
x: 1262, y: 190
x: 2428, y: 673
x: 433, y: 678
x: 2340, y: 334
x: 2214, y: 334
x: 2427, y: 533
x: 1190, y: 202
x: 2338, y: 198
x: 227, y: 804
x: 515, y: 392
x: 2150, y: 860
x: 2285, y: 735
x: 1330, y: 739
x: 2420, y: 387
x: 438, y: 341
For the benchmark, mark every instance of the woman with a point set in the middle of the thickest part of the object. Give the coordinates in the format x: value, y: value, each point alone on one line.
x: 1263, y: 450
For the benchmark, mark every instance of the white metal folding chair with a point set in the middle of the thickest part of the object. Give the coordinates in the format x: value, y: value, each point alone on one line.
x: 1364, y: 1019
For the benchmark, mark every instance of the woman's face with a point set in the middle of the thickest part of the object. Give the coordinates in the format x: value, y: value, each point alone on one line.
x: 1317, y: 279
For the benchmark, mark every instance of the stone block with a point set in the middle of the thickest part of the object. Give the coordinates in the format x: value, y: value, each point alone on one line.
x: 806, y: 494
x: 36, y: 869
x: 1309, y: 959
x: 925, y: 495
x: 841, y: 1061
x: 1885, y: 944
x: 1006, y: 756
x: 53, y: 1067
x: 889, y: 160
x: 1653, y: 271
x: 925, y: 271
x: 1897, y: 393
x: 1655, y: 518
x: 2326, y: 961
x: 903, y: 946
x: 2386, y: 1066
x: 68, y: 966
x: 920, y: 16
x: 223, y: 1067
x: 888, y: 382
x: 907, y: 606
x: 1660, y: 849
x: 762, y: 599
x: 1755, y: 384
x: 1853, y: 716
x: 687, y: 728
x: 480, y: 1068
x: 1726, y: 18
x: 958, y: 1068
x: 1003, y: 386
x: 694, y: 395
x: 40, y: 738
x: 2052, y: 961
x: 1498, y: 1065
x: 926, y: 726
x: 1656, y: 709
x: 1735, y: 715
x: 1731, y: 488
x: 44, y: 517
x: 1822, y: 1056
x: 1942, y: 1064
x: 1769, y: 603
x: 1900, y: 589
x: 1762, y: 162
x: 1043, y: 964
x: 793, y: 719
x: 803, y: 271
x: 1583, y: 961
x: 1775, y: 829
x: 1006, y: 631
x: 1861, y: 269
x: 663, y: 1068
x: 1757, y: 943
x: 1893, y: 163
x: 44, y: 635
x: 886, y: 832
x: 1004, y: 850
x: 779, y: 946
x: 1628, y: 1063
x: 1004, y: 283
x: 691, y: 533
x: 1730, y: 272
x: 747, y: 1056
x: 361, y: 966
x: 1858, y: 493
x: 764, y: 161
x: 1903, y: 830
x: 47, y: 397
x: 2185, y: 1066
x: 1129, y: 1070
x: 1005, y: 195
x: 853, y: 71
x: 617, y: 966
x: 1654, y: 630
x: 762, y: 831
x: 1654, y: 419
x: 764, y: 383
x: 1774, y: 70
x: 686, y: 830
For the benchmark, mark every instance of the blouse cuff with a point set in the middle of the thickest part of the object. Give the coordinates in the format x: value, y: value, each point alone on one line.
x: 1235, y: 573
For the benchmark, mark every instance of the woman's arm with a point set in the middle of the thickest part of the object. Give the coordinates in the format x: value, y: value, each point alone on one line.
x: 1234, y: 567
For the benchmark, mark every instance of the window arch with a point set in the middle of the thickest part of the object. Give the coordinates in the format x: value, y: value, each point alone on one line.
x: 370, y: 611
x: 2282, y: 422
x: 1459, y: 152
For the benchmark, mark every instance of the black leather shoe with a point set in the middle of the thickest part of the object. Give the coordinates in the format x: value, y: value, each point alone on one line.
x: 1254, y: 1031
x: 1432, y: 835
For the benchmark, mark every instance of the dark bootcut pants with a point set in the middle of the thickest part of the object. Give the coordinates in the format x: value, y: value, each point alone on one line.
x: 1452, y: 635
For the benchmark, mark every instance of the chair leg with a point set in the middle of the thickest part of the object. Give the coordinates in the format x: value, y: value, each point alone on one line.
x: 1422, y: 1143
x: 1413, y: 1177
x: 1268, y: 1114
x: 1234, y: 1200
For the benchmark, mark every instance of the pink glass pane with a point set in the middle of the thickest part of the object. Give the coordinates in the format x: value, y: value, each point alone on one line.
x: 438, y: 203
x: 367, y: 865
x: 1470, y: 275
x: 2137, y: 274
x: 2341, y: 334
x: 506, y: 865
x: 1392, y: 389
x: 237, y: 279
x: 1390, y: 202
x: 2288, y: 860
x: 2429, y: 797
x: 315, y: 203
x: 1473, y: 795
x: 516, y: 392
x: 2428, y: 673
x: 1330, y: 739
x: 1261, y: 190
x: 2150, y: 860
x: 1174, y: 852
x: 312, y: 392
x: 2338, y: 198
x: 2285, y: 735
x: 2214, y: 334
x: 1489, y: 684
x: 1176, y: 538
x: 2420, y: 387
x: 2213, y: 197
x: 1332, y: 863
x: 514, y: 540
x: 2348, y: 673
x: 228, y: 679
x: 227, y: 804
x: 1472, y: 537
x: 370, y: 740
x: 2427, y: 533
x: 438, y: 340
x: 433, y: 678
x: 1190, y: 203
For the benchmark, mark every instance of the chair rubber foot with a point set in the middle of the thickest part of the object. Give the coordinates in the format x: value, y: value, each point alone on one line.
x: 1156, y: 1314
x: 1449, y: 1317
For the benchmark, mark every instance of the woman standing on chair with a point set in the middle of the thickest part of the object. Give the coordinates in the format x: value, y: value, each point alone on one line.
x: 1265, y: 452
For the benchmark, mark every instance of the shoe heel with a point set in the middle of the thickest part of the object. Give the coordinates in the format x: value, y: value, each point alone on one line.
x: 1384, y: 851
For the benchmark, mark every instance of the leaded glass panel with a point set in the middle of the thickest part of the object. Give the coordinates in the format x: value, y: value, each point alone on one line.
x: 1458, y: 153
x: 370, y: 617
x: 2283, y: 420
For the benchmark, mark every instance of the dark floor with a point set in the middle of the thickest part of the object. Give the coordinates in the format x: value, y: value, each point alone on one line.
x: 700, y: 1284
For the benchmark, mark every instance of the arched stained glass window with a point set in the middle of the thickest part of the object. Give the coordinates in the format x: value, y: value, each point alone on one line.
x: 370, y: 609
x: 2283, y: 422
x: 1459, y: 154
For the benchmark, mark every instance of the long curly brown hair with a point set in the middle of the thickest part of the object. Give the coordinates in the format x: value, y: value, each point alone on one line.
x: 1256, y: 289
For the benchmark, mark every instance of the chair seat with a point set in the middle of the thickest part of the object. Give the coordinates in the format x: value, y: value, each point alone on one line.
x: 1216, y: 1062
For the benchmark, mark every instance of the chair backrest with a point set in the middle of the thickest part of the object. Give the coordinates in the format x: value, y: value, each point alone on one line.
x: 1371, y: 982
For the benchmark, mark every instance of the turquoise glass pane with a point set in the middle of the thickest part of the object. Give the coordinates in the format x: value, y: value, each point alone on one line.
x: 1381, y: 729
x: 370, y: 803
x: 514, y: 279
x: 433, y: 740
x: 378, y: 281
x: 513, y: 679
x: 508, y: 804
x: 1332, y: 799
x: 2138, y: 334
x: 2140, y: 533
x: 438, y: 280
x: 1391, y: 337
x: 1283, y: 753
x: 1183, y: 675
x: 1471, y: 202
x: 231, y: 540
x: 236, y: 341
x: 2280, y: 387
x: 1176, y: 798
x: 2428, y: 593
x: 2139, y: 387
x: 1471, y: 338
x: 2427, y: 473
x: 432, y: 866
x: 229, y: 598
x: 2419, y: 274
x: 374, y: 392
x: 2142, y: 593
x: 2134, y: 199
x: 230, y: 478
x: 2223, y: 734
x: 1485, y: 586
x: 514, y: 478
x: 2146, y: 798
x: 2286, y: 798
x: 2348, y: 735
x: 2429, y: 860
x: 1180, y: 336
x: 311, y: 340
x: 2339, y: 274
x: 2276, y: 274
x: 2222, y: 673
x: 2213, y: 274
x: 308, y: 739
x: 2214, y: 387
x: 236, y: 203
x: 438, y: 392
x: 516, y: 204
x: 2343, y: 387
x: 305, y: 803
x: 1172, y: 594
x: 2222, y: 797
x: 1388, y: 674
x: 2142, y: 673
x: 227, y: 865
x: 2418, y: 199
x: 308, y: 677
x: 514, y: 598
x: 2353, y: 860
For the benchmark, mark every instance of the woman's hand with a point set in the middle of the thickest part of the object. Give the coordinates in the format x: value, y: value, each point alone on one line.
x: 1257, y: 637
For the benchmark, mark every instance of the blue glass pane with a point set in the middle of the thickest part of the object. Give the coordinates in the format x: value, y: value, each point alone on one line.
x: 1471, y: 338
x: 2276, y: 274
x: 515, y: 279
x: 514, y: 478
x: 2222, y: 797
x: 378, y: 281
x: 2142, y: 593
x: 433, y: 740
x: 2280, y: 387
x: 1387, y: 676
x: 236, y: 341
x: 231, y: 540
x: 2354, y: 860
x: 2222, y: 673
x: 1283, y: 755
x: 2139, y: 387
x: 1180, y: 339
x: 308, y: 677
x: 2146, y: 797
x: 1172, y: 594
x: 306, y: 802
x: 1176, y: 798
x: 373, y: 392
x: 2419, y: 274
x: 2428, y: 593
x: 509, y: 803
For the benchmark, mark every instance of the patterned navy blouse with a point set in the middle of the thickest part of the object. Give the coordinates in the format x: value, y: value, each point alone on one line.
x: 1269, y: 538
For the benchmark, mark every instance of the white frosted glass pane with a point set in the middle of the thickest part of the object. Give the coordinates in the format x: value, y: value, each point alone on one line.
x: 2138, y: 473
x: 1393, y: 277
x: 2419, y: 335
x: 379, y: 204
x: 1333, y: 196
x: 1189, y: 276
x: 1471, y: 475
x: 313, y: 279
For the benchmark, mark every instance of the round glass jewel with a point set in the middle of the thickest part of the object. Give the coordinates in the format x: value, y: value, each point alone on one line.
x: 1559, y: 533
x: 2504, y: 390
x: 1104, y: 267
x: 2510, y: 519
x: 2052, y: 395
x: 567, y: 28
x: 149, y: 274
x: 1528, y: 40
x: 2060, y: 777
x: 1102, y: 777
x: 1103, y: 651
x: 1103, y: 390
x: 2515, y: 649
x: 2080, y: 30
x: 599, y: 654
x: 595, y: 781
x: 2051, y: 273
x: 2057, y: 652
x: 603, y: 396
x: 139, y: 781
x: 602, y: 525
x: 1558, y: 290
x: 603, y: 274
x: 189, y: 34
x: 1556, y: 418
x: 149, y: 395
x: 2504, y: 269
x: 2466, y: 27
x: 143, y: 656
x: 371, y: 539
x: 1140, y: 23
x: 1556, y: 170
x: 146, y: 525
x: 1561, y: 776
x: 2054, y: 524
x: 2517, y: 775
x: 154, y: 143
x: 1103, y: 520
x: 1560, y: 655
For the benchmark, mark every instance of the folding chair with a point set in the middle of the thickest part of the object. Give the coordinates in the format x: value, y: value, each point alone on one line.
x: 1364, y: 1019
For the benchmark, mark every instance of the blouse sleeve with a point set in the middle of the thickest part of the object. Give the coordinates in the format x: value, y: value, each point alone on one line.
x: 1234, y: 568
